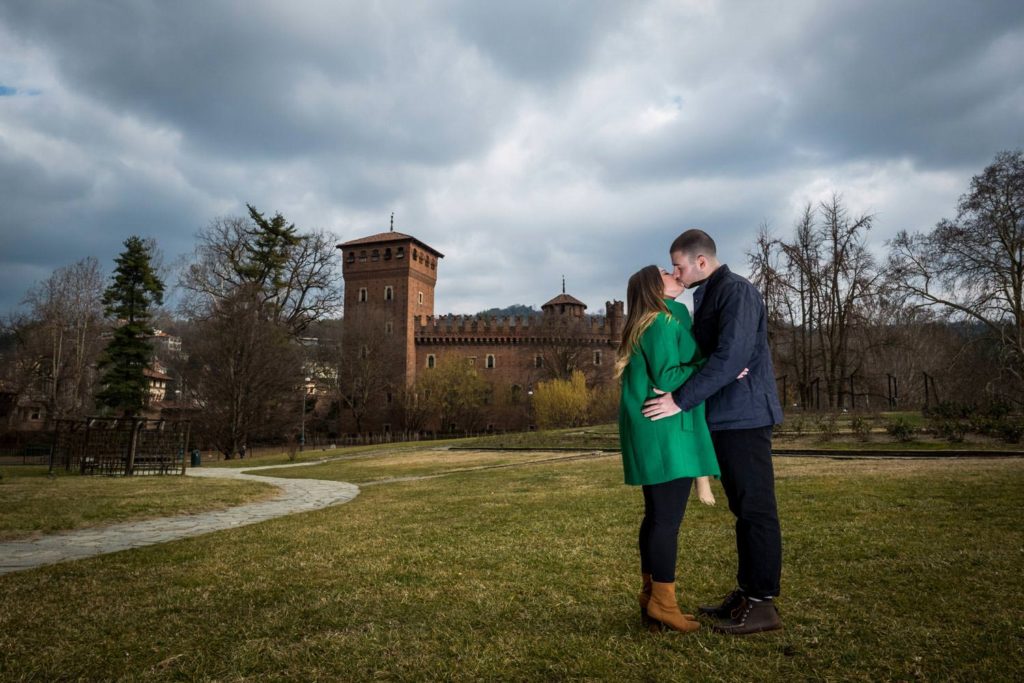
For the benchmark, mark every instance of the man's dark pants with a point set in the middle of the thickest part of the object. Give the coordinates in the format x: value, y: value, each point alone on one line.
x: 745, y: 459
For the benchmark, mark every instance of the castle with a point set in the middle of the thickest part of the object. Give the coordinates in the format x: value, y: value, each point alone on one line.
x: 389, y: 314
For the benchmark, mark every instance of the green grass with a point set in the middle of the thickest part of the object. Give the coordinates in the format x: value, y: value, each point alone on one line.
x: 314, y: 455
x: 606, y: 437
x: 31, y: 503
x: 386, y: 465
x: 894, y: 570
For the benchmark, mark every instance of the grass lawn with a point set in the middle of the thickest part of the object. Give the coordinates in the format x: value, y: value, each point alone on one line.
x: 894, y: 570
x: 32, y: 503
x: 311, y: 455
x: 381, y: 466
x: 607, y: 437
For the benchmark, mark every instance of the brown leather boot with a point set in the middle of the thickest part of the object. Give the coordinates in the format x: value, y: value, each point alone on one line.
x: 644, y: 597
x: 664, y: 609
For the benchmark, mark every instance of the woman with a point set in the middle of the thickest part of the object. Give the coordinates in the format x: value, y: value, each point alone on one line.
x: 658, y: 354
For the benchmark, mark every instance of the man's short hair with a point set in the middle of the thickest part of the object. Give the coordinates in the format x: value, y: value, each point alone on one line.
x: 693, y: 243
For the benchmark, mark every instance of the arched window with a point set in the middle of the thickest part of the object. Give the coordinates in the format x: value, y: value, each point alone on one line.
x: 389, y: 293
x: 351, y: 257
x: 415, y: 254
x: 538, y: 361
x: 419, y: 297
x: 389, y: 327
x: 362, y: 294
x: 400, y: 252
x: 375, y: 255
x: 362, y: 255
x: 387, y: 254
x: 597, y: 357
x: 431, y: 361
x: 489, y: 362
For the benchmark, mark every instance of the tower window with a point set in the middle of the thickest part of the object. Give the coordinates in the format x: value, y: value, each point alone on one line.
x: 362, y: 295
x: 419, y: 297
x: 431, y: 361
x: 400, y: 252
x: 389, y: 293
x: 597, y: 357
x: 387, y: 254
x: 364, y: 352
x: 489, y: 363
x: 375, y: 255
x: 388, y: 397
x: 351, y: 257
x: 389, y: 327
x: 415, y: 255
x: 362, y: 255
x: 538, y: 361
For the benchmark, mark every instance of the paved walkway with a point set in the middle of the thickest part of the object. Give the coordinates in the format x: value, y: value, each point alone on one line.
x: 297, y: 495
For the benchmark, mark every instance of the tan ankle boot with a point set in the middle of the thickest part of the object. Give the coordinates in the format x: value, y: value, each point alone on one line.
x: 644, y: 597
x: 663, y: 608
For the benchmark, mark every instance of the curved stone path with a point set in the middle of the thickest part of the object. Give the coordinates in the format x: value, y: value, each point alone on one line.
x: 297, y: 495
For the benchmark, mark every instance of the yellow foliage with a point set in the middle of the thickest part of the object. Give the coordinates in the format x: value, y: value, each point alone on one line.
x: 562, y: 403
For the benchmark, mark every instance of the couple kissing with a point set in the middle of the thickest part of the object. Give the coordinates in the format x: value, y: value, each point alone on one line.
x: 699, y: 401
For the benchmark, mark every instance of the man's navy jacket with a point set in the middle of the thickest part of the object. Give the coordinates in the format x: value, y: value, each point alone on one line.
x: 730, y: 324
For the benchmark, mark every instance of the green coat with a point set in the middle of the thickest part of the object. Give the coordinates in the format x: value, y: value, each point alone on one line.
x: 656, y: 451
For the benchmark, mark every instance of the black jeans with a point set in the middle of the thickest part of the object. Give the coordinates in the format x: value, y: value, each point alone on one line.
x: 664, y: 507
x: 745, y: 458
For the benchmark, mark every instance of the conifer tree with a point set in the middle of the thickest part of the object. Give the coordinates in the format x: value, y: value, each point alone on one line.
x: 128, y: 300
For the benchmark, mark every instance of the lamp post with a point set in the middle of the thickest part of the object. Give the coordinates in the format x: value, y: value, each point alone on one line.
x: 302, y: 432
x: 529, y: 409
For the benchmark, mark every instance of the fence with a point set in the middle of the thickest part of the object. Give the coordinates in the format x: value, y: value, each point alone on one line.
x: 120, y: 446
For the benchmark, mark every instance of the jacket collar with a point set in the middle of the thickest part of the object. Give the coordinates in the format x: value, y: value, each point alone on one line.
x: 706, y: 284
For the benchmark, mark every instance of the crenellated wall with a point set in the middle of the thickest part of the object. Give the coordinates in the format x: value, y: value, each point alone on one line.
x: 542, y: 327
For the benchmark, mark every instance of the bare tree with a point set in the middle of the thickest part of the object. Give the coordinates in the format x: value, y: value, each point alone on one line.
x: 60, y: 336
x: 244, y: 374
x: 817, y: 287
x: 370, y: 367
x: 972, y: 267
x: 297, y: 275
x: 453, y: 395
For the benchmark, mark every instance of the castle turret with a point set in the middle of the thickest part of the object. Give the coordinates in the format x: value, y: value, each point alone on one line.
x: 564, y: 304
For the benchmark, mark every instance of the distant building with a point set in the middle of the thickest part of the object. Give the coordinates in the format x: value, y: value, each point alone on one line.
x: 389, y: 294
x: 165, y: 344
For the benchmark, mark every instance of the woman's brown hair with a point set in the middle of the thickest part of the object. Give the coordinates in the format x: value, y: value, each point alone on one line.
x: 644, y: 301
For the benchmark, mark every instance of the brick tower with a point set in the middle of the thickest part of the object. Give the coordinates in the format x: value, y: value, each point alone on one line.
x: 389, y: 281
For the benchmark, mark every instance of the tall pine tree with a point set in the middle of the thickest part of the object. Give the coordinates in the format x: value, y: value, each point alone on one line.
x: 129, y: 298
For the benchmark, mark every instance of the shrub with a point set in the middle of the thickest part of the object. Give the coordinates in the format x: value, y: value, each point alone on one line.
x: 604, y: 404
x: 997, y: 409
x: 900, y: 429
x: 562, y: 403
x: 828, y: 427
x: 1011, y: 431
x: 861, y: 427
x: 951, y: 430
x: 797, y: 426
x: 952, y: 410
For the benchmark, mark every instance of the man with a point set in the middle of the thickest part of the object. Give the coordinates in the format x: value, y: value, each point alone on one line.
x: 730, y: 325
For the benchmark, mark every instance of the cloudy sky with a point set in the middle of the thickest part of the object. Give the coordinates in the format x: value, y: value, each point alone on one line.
x: 524, y: 140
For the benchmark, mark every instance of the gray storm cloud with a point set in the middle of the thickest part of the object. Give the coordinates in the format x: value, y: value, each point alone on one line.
x: 524, y: 140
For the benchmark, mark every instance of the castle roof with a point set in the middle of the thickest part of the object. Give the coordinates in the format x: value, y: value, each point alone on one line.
x: 565, y: 299
x: 392, y: 236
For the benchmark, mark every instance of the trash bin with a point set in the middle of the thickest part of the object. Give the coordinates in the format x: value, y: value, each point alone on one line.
x: 197, y: 458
